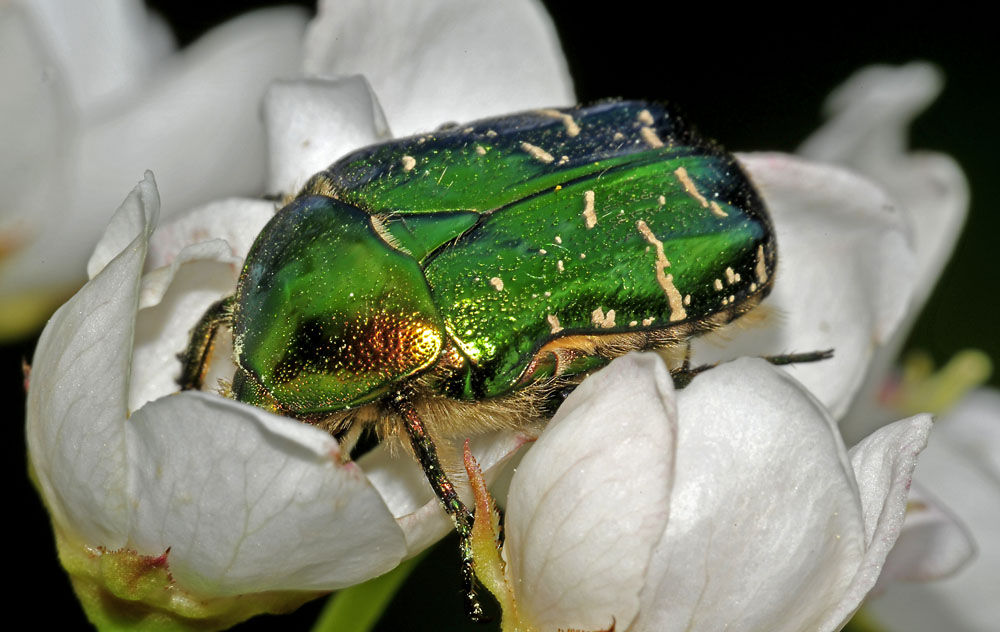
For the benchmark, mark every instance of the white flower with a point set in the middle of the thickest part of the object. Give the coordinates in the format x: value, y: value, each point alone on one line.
x: 142, y: 481
x: 868, y: 131
x: 231, y: 500
x: 962, y: 467
x: 732, y: 504
x: 93, y: 94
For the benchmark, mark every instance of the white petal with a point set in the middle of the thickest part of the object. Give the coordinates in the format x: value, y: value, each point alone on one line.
x: 76, y: 410
x: 932, y: 543
x: 883, y: 464
x: 312, y: 123
x: 436, y: 61
x: 34, y: 118
x: 195, y: 273
x: 104, y: 49
x: 247, y: 501
x: 197, y: 127
x: 870, y: 116
x: 171, y: 301
x: 868, y: 128
x: 961, y: 465
x: 844, y: 277
x: 589, y: 501
x: 405, y: 490
x: 237, y: 221
x: 765, y: 528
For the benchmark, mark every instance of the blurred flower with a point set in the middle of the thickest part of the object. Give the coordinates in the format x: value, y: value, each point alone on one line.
x: 961, y: 466
x: 730, y: 504
x: 93, y: 94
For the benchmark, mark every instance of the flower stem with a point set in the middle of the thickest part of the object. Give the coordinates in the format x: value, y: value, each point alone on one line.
x: 358, y: 608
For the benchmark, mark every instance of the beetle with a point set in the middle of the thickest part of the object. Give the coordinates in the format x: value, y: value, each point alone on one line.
x: 464, y: 280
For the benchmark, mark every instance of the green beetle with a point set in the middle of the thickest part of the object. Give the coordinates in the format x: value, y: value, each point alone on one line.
x: 463, y: 280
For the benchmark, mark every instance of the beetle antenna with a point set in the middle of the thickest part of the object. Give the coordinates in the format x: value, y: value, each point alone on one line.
x: 426, y: 452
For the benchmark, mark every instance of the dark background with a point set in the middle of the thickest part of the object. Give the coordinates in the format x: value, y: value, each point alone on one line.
x: 750, y: 80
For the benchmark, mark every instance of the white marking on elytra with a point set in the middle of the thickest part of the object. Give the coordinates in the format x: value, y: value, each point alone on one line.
x: 554, y: 326
x: 732, y: 298
x: 753, y: 287
x: 600, y: 319
x: 761, y: 269
x: 618, y: 136
x: 687, y: 299
x: 497, y: 283
x: 737, y: 277
x: 548, y: 294
x: 633, y: 323
x: 589, y: 216
x: 725, y: 301
x: 689, y: 186
x: 572, y: 129
x: 645, y: 117
x: 662, y: 200
x: 537, y: 153
x: 490, y: 133
x: 583, y: 255
x: 558, y: 239
x: 480, y: 150
x: 409, y: 162
x: 543, y: 251
x: 666, y: 281
x: 717, y: 210
x: 562, y: 160
x: 650, y: 137
x: 559, y: 265
x: 646, y: 322
x: 717, y: 284
x: 730, y: 275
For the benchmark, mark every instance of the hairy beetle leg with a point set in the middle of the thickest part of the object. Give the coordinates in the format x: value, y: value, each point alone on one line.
x: 686, y: 373
x: 426, y: 452
x: 194, y: 360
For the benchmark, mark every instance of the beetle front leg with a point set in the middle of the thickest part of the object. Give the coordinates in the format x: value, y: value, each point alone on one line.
x: 461, y: 516
x: 194, y: 360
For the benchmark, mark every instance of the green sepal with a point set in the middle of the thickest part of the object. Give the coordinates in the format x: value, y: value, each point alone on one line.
x: 125, y: 590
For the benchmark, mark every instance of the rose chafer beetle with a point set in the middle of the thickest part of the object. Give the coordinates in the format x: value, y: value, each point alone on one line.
x: 463, y: 280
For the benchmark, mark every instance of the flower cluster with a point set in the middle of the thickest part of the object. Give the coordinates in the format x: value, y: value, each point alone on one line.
x: 734, y: 502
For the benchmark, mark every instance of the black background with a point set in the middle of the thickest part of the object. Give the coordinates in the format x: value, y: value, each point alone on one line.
x: 750, y: 79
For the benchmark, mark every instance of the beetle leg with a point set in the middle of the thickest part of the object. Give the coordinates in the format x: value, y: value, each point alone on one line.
x: 461, y: 516
x: 683, y: 376
x: 194, y: 360
x: 797, y: 358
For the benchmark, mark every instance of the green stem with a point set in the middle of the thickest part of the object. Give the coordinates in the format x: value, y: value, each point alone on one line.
x: 358, y: 608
